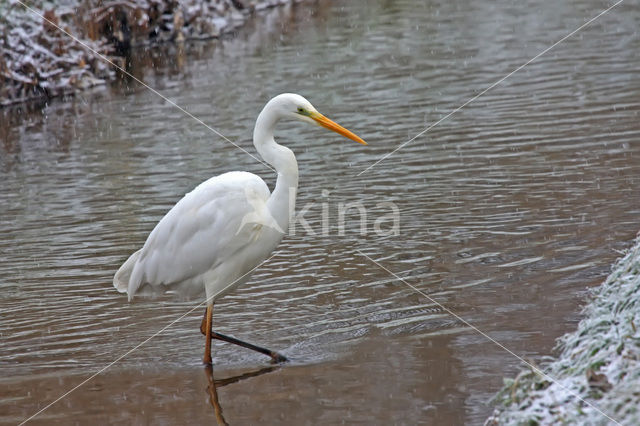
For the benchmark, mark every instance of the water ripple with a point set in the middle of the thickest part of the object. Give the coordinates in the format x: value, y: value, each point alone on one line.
x: 507, y: 209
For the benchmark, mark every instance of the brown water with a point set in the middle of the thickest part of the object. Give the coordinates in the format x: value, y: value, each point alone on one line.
x: 510, y: 210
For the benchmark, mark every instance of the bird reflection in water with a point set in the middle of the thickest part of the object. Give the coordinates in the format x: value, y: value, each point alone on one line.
x: 213, y: 384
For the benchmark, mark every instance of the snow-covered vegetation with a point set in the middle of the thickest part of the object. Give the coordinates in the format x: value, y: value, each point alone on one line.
x: 597, y: 374
x: 38, y: 60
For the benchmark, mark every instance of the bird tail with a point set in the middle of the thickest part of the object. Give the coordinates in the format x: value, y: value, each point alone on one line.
x: 122, y: 277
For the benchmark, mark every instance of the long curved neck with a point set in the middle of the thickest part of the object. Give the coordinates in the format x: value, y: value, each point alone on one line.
x: 282, y: 201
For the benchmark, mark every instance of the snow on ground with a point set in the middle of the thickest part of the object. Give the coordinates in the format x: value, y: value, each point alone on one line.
x: 597, y: 374
x: 37, y: 60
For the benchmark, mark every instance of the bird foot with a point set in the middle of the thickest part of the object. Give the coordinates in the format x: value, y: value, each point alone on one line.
x: 277, y: 358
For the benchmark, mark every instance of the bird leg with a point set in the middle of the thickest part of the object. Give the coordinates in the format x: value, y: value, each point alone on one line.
x: 275, y: 356
x: 203, y: 324
x: 208, y: 318
x: 205, y: 328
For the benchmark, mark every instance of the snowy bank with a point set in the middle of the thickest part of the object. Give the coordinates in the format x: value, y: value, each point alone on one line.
x: 599, y: 363
x: 37, y: 60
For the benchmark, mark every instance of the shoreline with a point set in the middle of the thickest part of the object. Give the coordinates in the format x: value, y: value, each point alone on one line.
x: 599, y: 362
x: 38, y: 61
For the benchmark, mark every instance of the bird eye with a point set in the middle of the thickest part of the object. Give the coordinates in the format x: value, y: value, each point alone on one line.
x: 300, y: 109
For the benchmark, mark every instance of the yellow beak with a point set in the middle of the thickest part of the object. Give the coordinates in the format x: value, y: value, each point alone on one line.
x: 331, y: 125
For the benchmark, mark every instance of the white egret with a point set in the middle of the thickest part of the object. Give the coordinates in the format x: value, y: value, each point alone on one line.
x: 212, y: 239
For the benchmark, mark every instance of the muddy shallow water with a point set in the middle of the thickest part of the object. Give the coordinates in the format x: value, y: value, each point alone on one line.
x: 509, y: 210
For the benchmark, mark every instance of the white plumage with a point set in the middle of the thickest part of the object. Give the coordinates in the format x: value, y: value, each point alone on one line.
x: 217, y: 233
x: 191, y: 248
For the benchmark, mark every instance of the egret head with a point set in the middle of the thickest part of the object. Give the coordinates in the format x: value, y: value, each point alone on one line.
x: 295, y: 106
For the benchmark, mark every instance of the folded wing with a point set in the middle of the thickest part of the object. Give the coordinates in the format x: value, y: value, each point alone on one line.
x: 205, y: 228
